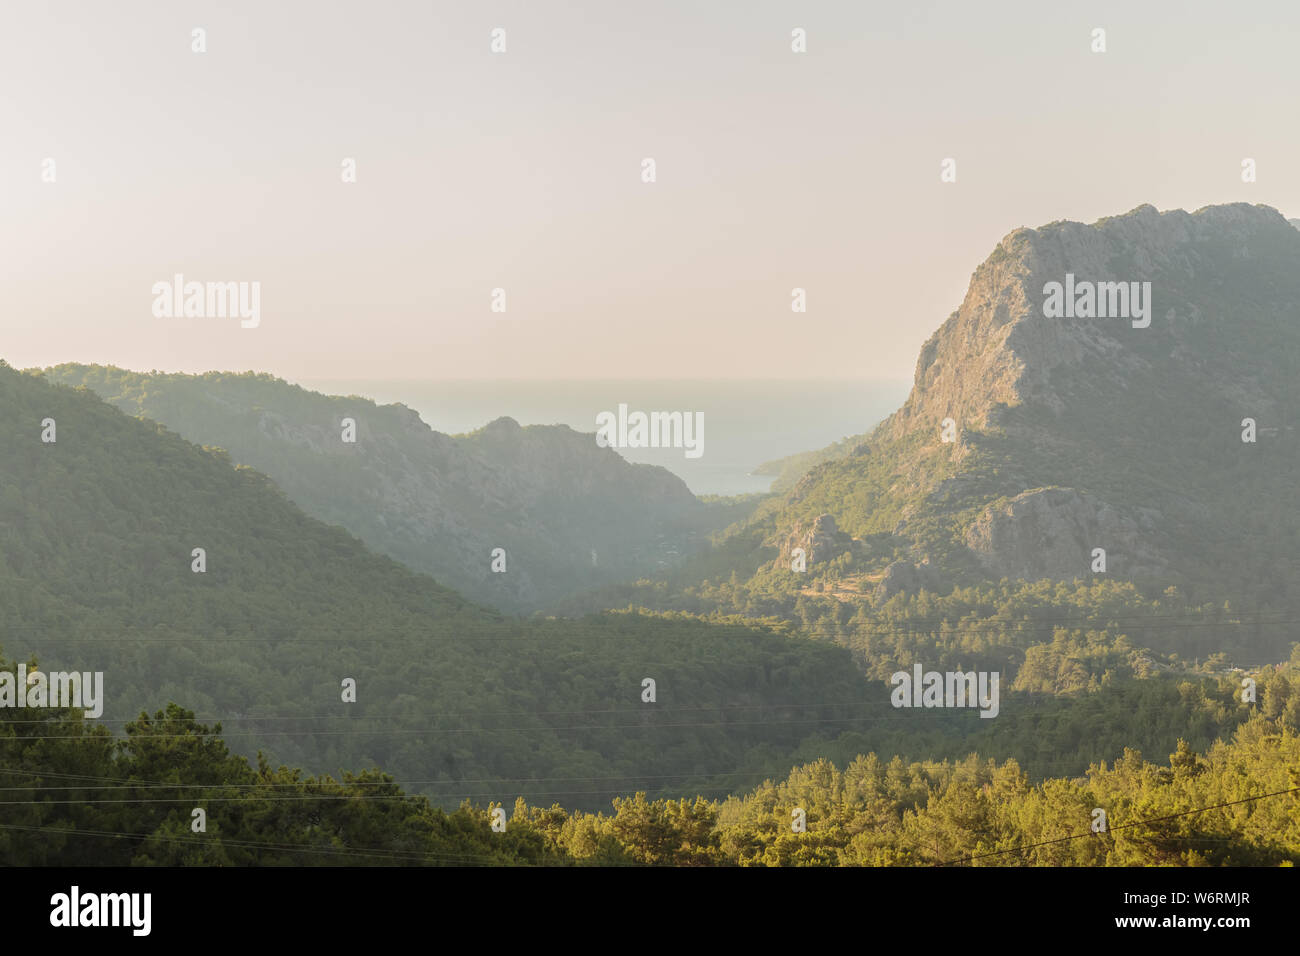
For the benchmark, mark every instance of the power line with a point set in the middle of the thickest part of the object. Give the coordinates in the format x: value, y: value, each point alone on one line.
x: 534, y: 630
x: 359, y: 853
x: 658, y: 708
x: 1047, y: 706
x: 1138, y: 823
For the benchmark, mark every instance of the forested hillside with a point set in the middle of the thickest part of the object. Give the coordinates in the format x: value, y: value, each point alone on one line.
x: 568, y: 514
x: 134, y: 801
x: 98, y: 531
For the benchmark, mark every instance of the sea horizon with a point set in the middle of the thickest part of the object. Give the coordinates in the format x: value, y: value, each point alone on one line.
x: 747, y: 422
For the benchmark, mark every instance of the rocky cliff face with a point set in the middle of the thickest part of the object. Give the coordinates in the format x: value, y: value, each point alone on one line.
x: 1053, y: 533
x: 820, y: 540
x: 999, y: 349
x: 1076, y: 432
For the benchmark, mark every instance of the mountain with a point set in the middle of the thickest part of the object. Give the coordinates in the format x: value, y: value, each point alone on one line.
x: 1096, y: 515
x: 1073, y: 433
x: 568, y: 514
x: 100, y: 518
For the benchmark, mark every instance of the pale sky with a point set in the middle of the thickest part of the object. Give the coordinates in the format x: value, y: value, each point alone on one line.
x: 522, y: 170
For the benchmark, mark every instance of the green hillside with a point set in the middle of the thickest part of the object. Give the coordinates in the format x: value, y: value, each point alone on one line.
x: 568, y: 514
x: 133, y: 801
x: 97, y: 533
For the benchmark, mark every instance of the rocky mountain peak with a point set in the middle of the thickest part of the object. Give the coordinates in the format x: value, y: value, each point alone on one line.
x: 999, y: 349
x: 1103, y: 383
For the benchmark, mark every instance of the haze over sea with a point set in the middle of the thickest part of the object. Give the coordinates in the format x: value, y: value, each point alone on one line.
x: 746, y: 422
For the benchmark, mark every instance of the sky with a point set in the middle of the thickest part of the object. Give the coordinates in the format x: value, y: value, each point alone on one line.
x: 522, y: 171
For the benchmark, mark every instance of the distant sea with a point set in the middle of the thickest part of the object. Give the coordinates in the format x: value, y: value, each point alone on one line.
x: 746, y: 423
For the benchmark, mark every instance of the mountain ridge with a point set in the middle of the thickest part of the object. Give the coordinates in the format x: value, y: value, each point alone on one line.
x: 568, y: 514
x: 1077, y: 447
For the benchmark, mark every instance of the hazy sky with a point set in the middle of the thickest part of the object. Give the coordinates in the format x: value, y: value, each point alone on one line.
x: 522, y: 170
